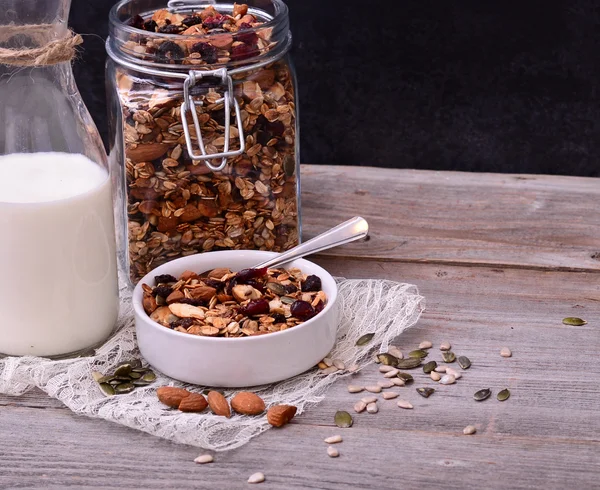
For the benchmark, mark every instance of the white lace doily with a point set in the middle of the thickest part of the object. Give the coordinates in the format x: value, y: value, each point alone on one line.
x: 385, y: 308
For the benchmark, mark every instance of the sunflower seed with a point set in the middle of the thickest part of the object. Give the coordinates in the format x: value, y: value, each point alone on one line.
x: 454, y: 372
x: 447, y: 379
x: 328, y: 361
x: 482, y: 394
x: 353, y: 368
x: 386, y: 383
x: 339, y: 364
x: 409, y: 363
x: 503, y: 395
x: 469, y: 429
x: 368, y: 399
x: 574, y: 321
x: 372, y: 408
x: 389, y: 395
x: 391, y: 374
x: 406, y: 377
x: 418, y: 354
x: 448, y: 356
x: 435, y: 376
x: 430, y: 366
x: 333, y: 439
x: 256, y: 478
x: 398, y: 381
x: 97, y: 376
x: 425, y: 392
x: 445, y: 346
x: 124, y: 388
x: 332, y: 452
x: 360, y: 406
x: 343, y: 419
x: 107, y: 389
x: 505, y: 352
x: 464, y: 362
x: 393, y: 350
x: 425, y: 345
x: 322, y: 365
x: 440, y: 369
x: 355, y: 388
x: 123, y: 370
x: 386, y: 369
x: 373, y: 389
x: 204, y: 458
x: 404, y: 404
x: 365, y: 339
x: 330, y: 370
x: 387, y: 359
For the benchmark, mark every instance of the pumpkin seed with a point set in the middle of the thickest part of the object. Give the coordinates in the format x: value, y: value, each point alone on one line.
x: 574, y: 321
x: 406, y: 377
x: 115, y: 382
x: 365, y: 339
x: 107, y: 389
x: 105, y: 379
x: 343, y: 419
x: 425, y: 392
x: 135, y: 364
x: 140, y: 382
x: 418, y: 354
x: 503, y: 395
x: 122, y: 379
x: 276, y: 288
x: 430, y: 366
x: 410, y: 363
x: 140, y: 370
x: 134, y: 375
x: 124, y: 388
x: 286, y: 300
x: 482, y: 394
x: 387, y: 359
x: 464, y: 362
x: 123, y: 369
x: 149, y: 377
x: 448, y: 356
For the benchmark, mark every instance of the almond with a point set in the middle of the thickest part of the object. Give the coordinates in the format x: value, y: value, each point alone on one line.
x: 195, y: 402
x: 171, y: 396
x: 219, y: 272
x: 187, y: 275
x: 279, y: 415
x: 221, y: 41
x: 147, y: 153
x: 203, y: 293
x: 248, y: 403
x: 218, y: 404
x: 149, y: 303
x: 175, y: 297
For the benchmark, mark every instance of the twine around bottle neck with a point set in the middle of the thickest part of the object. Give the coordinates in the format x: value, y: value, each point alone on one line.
x: 50, y: 52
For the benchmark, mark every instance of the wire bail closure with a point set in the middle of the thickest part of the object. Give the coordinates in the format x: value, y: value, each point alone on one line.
x: 189, y: 105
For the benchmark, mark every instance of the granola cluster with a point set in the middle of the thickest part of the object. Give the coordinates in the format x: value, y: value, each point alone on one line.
x: 177, y: 206
x: 222, y: 303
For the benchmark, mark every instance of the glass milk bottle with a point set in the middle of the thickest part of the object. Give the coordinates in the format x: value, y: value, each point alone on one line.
x: 59, y: 291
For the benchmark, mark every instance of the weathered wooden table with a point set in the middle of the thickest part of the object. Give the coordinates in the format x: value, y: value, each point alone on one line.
x: 501, y: 259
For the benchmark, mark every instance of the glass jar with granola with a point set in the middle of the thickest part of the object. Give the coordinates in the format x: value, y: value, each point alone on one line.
x: 204, y: 148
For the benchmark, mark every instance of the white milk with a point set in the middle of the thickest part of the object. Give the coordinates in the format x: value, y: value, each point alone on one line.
x: 58, y: 276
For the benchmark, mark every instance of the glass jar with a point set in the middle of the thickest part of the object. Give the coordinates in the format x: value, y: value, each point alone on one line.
x: 203, y: 129
x: 59, y: 291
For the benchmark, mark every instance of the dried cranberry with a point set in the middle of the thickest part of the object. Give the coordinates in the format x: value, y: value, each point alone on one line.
x: 302, y: 310
x: 214, y: 22
x: 191, y: 20
x: 230, y: 285
x: 255, y: 307
x: 246, y: 274
x: 245, y: 25
x: 213, y: 283
x: 163, y: 291
x: 319, y: 307
x: 170, y: 51
x: 170, y: 29
x: 290, y: 289
x: 278, y: 317
x: 165, y: 278
x: 243, y: 52
x: 137, y: 22
x: 182, y: 322
x: 312, y: 283
x: 246, y: 37
x: 150, y: 26
x: 256, y: 285
x: 191, y: 301
x: 207, y: 51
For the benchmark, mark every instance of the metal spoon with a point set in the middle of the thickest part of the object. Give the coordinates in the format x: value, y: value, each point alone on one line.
x: 346, y: 232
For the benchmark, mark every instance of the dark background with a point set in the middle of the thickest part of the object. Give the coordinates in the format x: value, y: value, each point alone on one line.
x: 493, y: 86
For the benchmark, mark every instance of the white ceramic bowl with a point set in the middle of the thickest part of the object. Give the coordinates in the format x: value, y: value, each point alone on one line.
x: 235, y: 362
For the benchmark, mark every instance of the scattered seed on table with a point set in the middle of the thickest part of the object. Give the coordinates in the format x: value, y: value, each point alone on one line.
x: 365, y: 339
x: 376, y: 359
x: 389, y: 395
x: 322, y: 365
x: 425, y: 392
x: 373, y: 389
x: 482, y: 394
x: 332, y: 452
x: 333, y: 439
x: 503, y: 395
x: 398, y: 381
x: 330, y: 370
x: 387, y: 359
x: 339, y: 364
x: 404, y: 404
x: 256, y: 478
x: 355, y: 388
x: 430, y: 366
x: 418, y: 354
x: 425, y: 345
x: 353, y: 368
x: 204, y: 458
x: 360, y: 406
x: 445, y: 346
x: 410, y: 363
x: 469, y: 429
x: 440, y: 369
x: 454, y: 372
x: 328, y: 361
x: 448, y: 356
x: 464, y: 362
x: 372, y: 408
x: 397, y: 353
x: 574, y: 321
x: 385, y: 383
x: 387, y: 369
x: 447, y: 379
x: 368, y: 399
x: 391, y: 374
x: 343, y: 419
x: 407, y: 377
x: 505, y: 352
x: 435, y: 376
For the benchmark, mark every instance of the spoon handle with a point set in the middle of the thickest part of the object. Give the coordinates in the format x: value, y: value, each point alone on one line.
x: 346, y: 232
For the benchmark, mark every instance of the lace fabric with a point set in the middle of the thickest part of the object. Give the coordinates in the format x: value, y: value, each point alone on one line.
x: 385, y: 308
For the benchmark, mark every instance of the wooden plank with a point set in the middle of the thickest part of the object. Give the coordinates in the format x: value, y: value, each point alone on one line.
x: 548, y: 222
